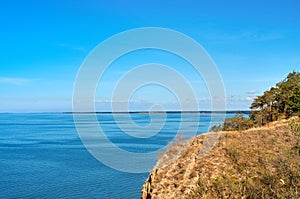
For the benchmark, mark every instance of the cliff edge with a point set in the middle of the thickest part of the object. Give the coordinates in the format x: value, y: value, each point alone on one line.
x: 259, y: 162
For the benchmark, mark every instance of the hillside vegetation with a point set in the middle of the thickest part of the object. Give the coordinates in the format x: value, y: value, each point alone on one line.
x: 255, y: 157
x: 262, y: 162
x: 257, y: 163
x: 281, y: 101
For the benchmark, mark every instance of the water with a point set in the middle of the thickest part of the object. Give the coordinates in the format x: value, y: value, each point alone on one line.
x: 41, y: 155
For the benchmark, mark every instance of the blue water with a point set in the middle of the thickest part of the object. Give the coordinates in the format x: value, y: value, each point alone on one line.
x: 41, y: 155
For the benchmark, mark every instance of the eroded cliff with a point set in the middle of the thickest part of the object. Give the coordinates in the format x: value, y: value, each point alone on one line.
x: 241, y: 164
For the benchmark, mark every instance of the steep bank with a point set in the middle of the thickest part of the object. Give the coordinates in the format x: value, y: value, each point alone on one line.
x: 259, y: 162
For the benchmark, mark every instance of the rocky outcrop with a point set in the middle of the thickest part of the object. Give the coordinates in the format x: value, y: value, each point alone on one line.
x: 147, y: 190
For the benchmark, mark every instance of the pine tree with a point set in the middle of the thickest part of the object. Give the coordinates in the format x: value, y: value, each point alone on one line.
x: 281, y: 101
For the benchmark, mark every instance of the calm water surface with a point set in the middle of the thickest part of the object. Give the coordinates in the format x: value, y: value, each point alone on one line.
x: 41, y: 156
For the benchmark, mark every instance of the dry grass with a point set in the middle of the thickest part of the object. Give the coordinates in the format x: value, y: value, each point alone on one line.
x: 257, y: 163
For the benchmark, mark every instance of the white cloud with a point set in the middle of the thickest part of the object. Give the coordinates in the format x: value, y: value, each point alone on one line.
x: 13, y: 80
x: 249, y: 98
x: 252, y: 92
x: 235, y: 99
x: 117, y: 101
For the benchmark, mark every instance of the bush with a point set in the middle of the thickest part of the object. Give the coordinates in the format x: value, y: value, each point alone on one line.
x: 237, y: 123
x: 295, y: 129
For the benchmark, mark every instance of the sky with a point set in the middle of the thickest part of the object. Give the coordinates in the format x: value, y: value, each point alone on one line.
x: 254, y: 45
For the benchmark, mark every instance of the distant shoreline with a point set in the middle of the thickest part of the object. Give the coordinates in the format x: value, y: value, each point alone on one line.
x: 165, y: 112
x: 138, y: 112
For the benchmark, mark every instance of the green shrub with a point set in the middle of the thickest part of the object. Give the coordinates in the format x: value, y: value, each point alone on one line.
x: 237, y: 123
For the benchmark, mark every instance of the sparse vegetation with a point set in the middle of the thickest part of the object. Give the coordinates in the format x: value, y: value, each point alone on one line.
x: 273, y: 171
x: 262, y: 162
x: 295, y: 129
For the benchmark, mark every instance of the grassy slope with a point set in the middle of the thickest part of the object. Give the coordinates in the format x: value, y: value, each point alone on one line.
x: 257, y: 163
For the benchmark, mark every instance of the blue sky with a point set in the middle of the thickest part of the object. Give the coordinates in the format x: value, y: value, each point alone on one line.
x: 43, y: 44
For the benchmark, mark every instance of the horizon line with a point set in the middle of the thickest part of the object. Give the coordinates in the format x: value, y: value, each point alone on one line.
x: 130, y: 112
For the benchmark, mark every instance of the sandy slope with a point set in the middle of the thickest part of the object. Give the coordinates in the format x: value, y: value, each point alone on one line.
x: 178, y: 170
